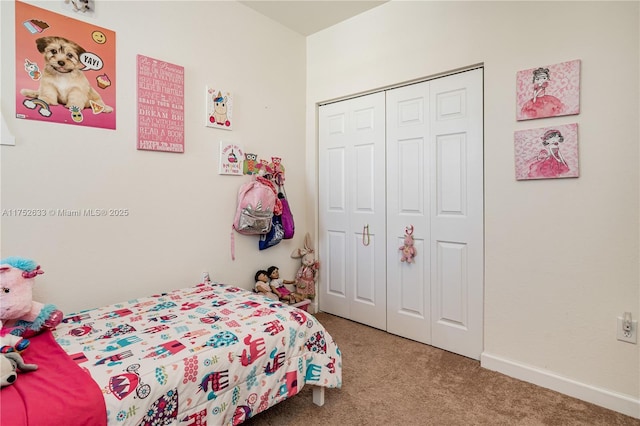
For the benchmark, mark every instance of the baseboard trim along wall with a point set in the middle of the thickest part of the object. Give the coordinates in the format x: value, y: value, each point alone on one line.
x: 621, y: 403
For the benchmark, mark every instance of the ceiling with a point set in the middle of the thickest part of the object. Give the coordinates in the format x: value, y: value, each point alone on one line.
x: 309, y: 16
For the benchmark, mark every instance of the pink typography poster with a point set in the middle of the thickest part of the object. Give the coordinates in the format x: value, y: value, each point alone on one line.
x: 65, y: 69
x: 160, y: 105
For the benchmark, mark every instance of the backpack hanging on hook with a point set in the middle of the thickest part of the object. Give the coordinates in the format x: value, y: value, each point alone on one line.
x: 257, y: 203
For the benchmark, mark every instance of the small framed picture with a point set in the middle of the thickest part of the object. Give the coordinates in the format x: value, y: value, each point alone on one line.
x: 547, y: 152
x: 231, y: 159
x: 219, y: 109
x: 548, y: 91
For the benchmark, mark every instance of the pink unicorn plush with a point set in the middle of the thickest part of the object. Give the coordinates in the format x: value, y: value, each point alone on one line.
x: 20, y: 315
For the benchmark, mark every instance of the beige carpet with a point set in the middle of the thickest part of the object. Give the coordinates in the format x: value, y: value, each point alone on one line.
x: 388, y: 380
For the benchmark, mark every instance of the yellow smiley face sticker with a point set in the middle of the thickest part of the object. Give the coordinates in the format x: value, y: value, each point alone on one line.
x: 99, y: 37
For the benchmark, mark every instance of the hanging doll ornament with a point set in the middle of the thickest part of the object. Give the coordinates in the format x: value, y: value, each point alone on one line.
x: 407, y: 249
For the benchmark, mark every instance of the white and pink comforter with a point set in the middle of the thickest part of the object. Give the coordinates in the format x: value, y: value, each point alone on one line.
x: 210, y: 354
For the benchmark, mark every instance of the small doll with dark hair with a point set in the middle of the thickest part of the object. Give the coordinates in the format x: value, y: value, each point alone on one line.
x: 262, y: 285
x: 278, y: 286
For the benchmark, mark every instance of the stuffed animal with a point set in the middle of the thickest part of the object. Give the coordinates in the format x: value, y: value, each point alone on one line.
x: 21, y: 316
x: 11, y: 343
x: 306, y: 276
x: 10, y: 363
x: 408, y: 250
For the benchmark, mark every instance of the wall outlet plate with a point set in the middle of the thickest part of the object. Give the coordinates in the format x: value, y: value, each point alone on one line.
x: 630, y: 337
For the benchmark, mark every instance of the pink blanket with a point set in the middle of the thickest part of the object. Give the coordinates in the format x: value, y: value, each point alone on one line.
x: 59, y: 392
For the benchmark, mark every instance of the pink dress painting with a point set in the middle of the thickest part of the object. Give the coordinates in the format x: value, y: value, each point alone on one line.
x: 548, y: 91
x: 547, y: 153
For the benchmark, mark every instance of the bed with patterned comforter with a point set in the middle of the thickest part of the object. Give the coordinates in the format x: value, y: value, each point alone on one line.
x: 212, y: 354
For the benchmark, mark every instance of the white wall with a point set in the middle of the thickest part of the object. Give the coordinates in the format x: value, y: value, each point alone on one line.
x: 181, y: 210
x: 561, y: 256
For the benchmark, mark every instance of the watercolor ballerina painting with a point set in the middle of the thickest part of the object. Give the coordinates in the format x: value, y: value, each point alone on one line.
x: 547, y: 153
x: 548, y: 91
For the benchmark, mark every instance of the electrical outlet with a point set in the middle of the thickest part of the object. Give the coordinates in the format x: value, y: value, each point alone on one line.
x: 627, y: 336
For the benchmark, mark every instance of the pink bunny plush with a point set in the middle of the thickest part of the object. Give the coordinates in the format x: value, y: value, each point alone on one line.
x: 408, y: 250
x: 306, y: 276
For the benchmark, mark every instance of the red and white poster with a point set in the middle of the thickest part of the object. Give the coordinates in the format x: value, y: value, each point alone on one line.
x: 160, y: 105
x: 65, y: 69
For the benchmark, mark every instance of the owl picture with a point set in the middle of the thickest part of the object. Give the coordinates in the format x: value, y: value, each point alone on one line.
x: 249, y: 167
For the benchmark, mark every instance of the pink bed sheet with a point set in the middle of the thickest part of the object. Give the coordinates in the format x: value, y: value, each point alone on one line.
x: 59, y: 392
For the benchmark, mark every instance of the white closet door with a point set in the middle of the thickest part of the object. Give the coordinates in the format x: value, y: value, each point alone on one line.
x: 408, y: 204
x: 457, y: 213
x: 352, y: 229
x: 433, y: 136
x: 435, y: 184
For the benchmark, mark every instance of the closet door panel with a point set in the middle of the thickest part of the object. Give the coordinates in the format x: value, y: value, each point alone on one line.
x: 335, y: 264
x: 336, y: 167
x: 408, y: 206
x: 352, y: 205
x: 457, y: 220
x: 334, y: 211
x: 364, y: 280
x: 413, y: 293
x: 367, y: 216
x: 451, y: 289
x: 410, y: 154
x: 451, y: 181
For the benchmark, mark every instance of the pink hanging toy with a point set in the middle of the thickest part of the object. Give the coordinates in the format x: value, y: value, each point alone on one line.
x: 408, y: 250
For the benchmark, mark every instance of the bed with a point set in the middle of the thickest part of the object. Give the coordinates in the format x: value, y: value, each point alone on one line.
x: 212, y: 354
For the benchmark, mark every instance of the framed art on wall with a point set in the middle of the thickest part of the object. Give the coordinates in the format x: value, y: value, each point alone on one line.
x: 219, y: 109
x: 231, y: 159
x: 548, y: 91
x: 65, y: 69
x: 160, y: 105
x: 547, y: 153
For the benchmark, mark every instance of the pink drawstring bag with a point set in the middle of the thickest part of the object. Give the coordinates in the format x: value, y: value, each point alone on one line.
x: 287, y: 217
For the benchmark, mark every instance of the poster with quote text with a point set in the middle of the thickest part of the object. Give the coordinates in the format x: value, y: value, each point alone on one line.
x: 160, y: 105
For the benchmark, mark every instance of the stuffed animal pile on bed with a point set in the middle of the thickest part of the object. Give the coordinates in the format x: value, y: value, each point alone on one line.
x: 20, y: 316
x: 10, y: 359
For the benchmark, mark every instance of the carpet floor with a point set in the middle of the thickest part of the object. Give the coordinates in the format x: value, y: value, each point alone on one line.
x: 389, y: 380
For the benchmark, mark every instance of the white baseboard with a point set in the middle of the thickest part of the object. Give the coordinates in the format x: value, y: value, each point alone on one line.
x: 621, y: 403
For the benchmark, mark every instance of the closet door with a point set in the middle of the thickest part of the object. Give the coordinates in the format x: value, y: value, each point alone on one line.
x: 457, y: 213
x: 352, y: 233
x: 409, y: 166
x: 435, y: 184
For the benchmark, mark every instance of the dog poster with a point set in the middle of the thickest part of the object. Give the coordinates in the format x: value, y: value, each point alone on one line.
x: 547, y: 152
x: 65, y: 69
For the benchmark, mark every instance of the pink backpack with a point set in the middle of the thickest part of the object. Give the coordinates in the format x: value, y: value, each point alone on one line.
x: 257, y: 203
